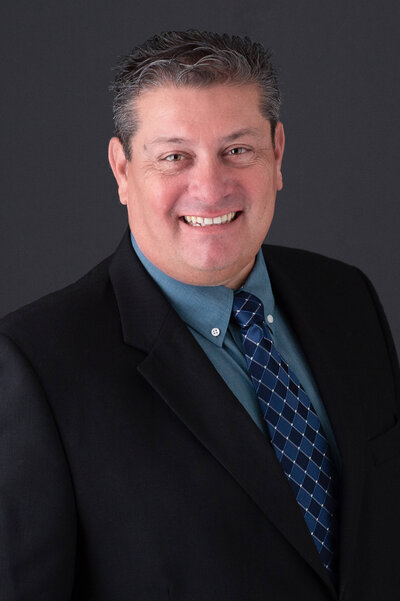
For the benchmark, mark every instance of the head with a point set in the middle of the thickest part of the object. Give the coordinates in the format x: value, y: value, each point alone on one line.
x: 194, y: 58
x: 198, y: 135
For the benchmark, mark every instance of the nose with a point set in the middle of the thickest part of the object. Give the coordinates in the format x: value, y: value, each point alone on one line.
x: 210, y: 182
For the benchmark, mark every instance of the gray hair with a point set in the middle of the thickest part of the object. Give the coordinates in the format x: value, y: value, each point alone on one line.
x: 191, y: 58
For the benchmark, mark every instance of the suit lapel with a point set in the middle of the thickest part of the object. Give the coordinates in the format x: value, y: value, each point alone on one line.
x: 322, y: 339
x: 177, y: 368
x: 184, y: 377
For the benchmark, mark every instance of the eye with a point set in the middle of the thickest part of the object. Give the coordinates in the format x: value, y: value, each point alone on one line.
x: 237, y: 150
x: 173, y: 158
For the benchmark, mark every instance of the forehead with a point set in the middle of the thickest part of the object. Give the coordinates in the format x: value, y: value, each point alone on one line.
x: 168, y: 109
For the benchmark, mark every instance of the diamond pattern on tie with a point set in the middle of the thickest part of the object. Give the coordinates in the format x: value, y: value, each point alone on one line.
x: 295, y: 430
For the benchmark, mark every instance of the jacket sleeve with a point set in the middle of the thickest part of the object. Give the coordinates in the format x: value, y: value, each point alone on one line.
x: 390, y: 346
x: 37, y: 508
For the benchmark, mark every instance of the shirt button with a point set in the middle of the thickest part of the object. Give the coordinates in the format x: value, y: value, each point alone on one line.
x: 215, y: 331
x: 270, y: 319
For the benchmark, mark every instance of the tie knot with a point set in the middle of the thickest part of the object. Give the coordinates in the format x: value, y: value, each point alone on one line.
x: 247, y: 309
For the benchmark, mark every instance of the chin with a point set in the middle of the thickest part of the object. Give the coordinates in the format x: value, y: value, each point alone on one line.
x: 212, y: 268
x: 215, y: 258
x: 215, y: 273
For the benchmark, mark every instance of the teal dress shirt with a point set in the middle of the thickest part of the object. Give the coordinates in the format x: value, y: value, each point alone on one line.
x: 206, y: 310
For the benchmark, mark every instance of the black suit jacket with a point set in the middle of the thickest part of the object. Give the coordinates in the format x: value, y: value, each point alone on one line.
x: 128, y: 469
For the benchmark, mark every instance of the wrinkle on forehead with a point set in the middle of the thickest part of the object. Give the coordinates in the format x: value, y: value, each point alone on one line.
x: 248, y: 131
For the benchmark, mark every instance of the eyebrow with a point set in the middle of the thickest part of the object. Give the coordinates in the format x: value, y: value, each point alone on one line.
x: 248, y: 131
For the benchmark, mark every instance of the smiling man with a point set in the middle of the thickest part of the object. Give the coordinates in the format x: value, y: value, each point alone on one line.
x: 201, y: 417
x: 201, y: 189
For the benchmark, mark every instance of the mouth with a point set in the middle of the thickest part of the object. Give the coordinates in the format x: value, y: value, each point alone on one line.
x: 197, y: 221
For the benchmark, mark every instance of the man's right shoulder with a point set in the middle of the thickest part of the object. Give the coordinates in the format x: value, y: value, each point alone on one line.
x: 69, y: 307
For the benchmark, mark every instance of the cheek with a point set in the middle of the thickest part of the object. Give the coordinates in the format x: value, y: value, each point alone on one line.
x: 259, y: 184
x: 262, y: 199
x: 165, y: 197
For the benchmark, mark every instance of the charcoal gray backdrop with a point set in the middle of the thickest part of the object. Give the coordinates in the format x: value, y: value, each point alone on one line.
x: 339, y: 61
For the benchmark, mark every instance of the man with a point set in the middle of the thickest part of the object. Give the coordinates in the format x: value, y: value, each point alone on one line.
x: 197, y: 418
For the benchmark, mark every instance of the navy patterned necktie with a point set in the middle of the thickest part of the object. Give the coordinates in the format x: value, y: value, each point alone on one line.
x: 294, y: 428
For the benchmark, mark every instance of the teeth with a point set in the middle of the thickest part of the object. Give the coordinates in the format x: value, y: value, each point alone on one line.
x: 203, y: 221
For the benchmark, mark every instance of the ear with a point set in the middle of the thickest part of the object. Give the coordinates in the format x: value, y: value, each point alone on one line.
x: 119, y: 164
x: 278, y: 152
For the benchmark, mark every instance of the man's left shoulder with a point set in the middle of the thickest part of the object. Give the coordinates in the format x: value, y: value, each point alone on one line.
x: 341, y: 295
x: 294, y: 258
x: 314, y: 269
x: 324, y: 286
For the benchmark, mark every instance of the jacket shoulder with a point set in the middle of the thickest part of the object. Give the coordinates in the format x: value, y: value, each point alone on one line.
x: 314, y: 270
x: 298, y: 257
x: 69, y: 307
x: 328, y: 282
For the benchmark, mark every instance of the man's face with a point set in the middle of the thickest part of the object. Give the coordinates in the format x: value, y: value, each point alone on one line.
x: 200, y: 187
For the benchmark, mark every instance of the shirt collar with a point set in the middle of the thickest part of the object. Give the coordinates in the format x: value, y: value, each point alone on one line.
x: 207, y: 309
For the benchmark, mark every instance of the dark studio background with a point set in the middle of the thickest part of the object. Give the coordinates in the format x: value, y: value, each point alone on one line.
x: 339, y: 63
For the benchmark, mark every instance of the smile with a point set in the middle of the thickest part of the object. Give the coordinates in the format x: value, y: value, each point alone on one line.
x: 203, y: 221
